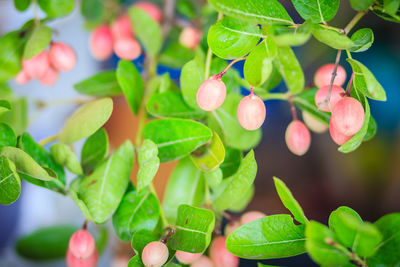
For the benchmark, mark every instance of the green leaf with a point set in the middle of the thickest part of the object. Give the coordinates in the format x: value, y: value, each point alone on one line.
x: 192, y: 75
x: 63, y: 155
x: 102, y: 84
x: 258, y: 65
x: 362, y: 39
x: 93, y: 10
x: 147, y: 30
x: 331, y: 37
x: 138, y: 210
x: 94, y: 150
x: 17, y: 117
x: 209, y: 156
x: 231, y: 163
x: 148, y: 164
x: 317, y: 238
x: 317, y: 11
x: 290, y: 68
x: 260, y: 12
x: 48, y: 243
x: 231, y: 78
x: 38, y: 41
x: 289, y: 36
x: 391, y: 6
x: 22, y: 5
x: 73, y: 193
x: 57, y: 8
x: 387, y: 253
x: 135, y: 262
x: 345, y: 228
x: 379, y: 10
x: 171, y: 104
x: 289, y: 201
x: 213, y: 178
x: 239, y: 183
x: 11, y: 49
x: 273, y: 81
x: 103, y: 190
x: 10, y: 183
x: 365, y: 82
x: 224, y: 122
x: 185, y: 186
x: 270, y: 237
x: 361, y: 5
x: 176, y: 138
x: 4, y: 106
x: 7, y: 136
x: 230, y: 38
x: 86, y: 120
x: 305, y: 101
x: 193, y: 229
x: 25, y: 164
x: 241, y: 204
x: 141, y: 238
x: 372, y: 129
x: 175, y: 55
x: 131, y: 84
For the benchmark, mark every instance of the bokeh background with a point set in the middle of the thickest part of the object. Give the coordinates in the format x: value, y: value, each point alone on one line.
x: 367, y: 180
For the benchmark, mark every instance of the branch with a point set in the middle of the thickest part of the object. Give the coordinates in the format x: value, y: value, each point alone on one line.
x: 169, y: 13
x: 334, y: 73
x: 354, y: 21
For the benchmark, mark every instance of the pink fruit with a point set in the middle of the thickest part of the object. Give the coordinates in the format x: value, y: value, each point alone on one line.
x: 251, y: 216
x: 211, y: 94
x: 337, y: 93
x: 50, y: 77
x: 323, y: 75
x: 22, y: 78
x: 313, y: 124
x: 337, y: 136
x: 62, y: 57
x: 121, y: 27
x: 190, y: 37
x: 251, y: 112
x: 155, y: 254
x: 220, y: 256
x: 127, y: 48
x: 75, y: 262
x: 298, y: 138
x: 348, y: 116
x: 231, y: 226
x: 153, y: 10
x: 82, y: 244
x: 36, y: 66
x: 186, y: 257
x: 204, y: 261
x: 101, y: 43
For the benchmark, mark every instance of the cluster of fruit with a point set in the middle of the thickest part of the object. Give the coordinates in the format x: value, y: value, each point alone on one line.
x: 46, y: 65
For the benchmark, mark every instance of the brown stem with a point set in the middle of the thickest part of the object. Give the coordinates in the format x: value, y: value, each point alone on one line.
x: 168, y: 235
x: 293, y: 110
x: 334, y: 73
x: 348, y: 90
x: 353, y: 256
x: 219, y: 75
x: 169, y: 14
x: 84, y: 226
x: 354, y: 21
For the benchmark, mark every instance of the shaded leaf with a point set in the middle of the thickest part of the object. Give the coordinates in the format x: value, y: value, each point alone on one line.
x: 361, y: 5
x: 148, y: 164
x: 22, y: 5
x: 362, y: 39
x: 94, y: 150
x: 290, y: 69
x: 141, y: 238
x: 317, y: 10
x: 102, y: 84
x: 231, y: 163
x: 331, y: 37
x: 11, y: 49
x: 192, y: 75
x: 63, y: 155
x: 4, y: 106
x: 289, y: 36
x: 305, y: 101
x: 209, y: 156
x: 7, y: 136
x: 10, y: 183
x: 38, y: 41
x: 57, y: 8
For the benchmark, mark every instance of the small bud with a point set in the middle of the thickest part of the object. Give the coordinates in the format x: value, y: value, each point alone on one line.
x: 153, y: 10
x: 155, y: 254
x: 231, y: 226
x: 220, y: 256
x: 190, y: 37
x: 121, y: 27
x: 62, y: 57
x: 36, y: 66
x: 101, y: 43
x: 127, y: 48
x: 251, y: 216
x: 50, y: 77
x: 82, y: 244
x: 313, y: 124
x: 323, y: 75
x: 251, y: 112
x: 22, y: 78
x: 348, y: 116
x: 298, y: 138
x: 186, y: 257
x: 75, y: 262
x: 337, y: 93
x: 337, y: 136
x: 211, y: 94
x: 204, y: 261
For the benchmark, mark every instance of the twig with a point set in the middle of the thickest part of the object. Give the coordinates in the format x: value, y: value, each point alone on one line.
x: 169, y: 13
x: 47, y: 140
x: 349, y: 84
x: 334, y: 73
x: 230, y: 65
x: 354, y: 21
x: 353, y: 256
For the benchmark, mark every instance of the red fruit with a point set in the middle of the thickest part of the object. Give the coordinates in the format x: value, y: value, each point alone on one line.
x: 75, y: 262
x: 153, y: 10
x: 36, y: 66
x: 186, y: 257
x: 62, y: 57
x: 251, y: 216
x: 101, y: 43
x: 211, y: 94
x: 155, y: 254
x: 251, y: 112
x: 231, y: 226
x: 337, y: 136
x: 50, y: 77
x: 298, y: 138
x: 127, y: 48
x: 190, y: 37
x: 313, y: 124
x: 122, y: 27
x: 220, y: 256
x: 337, y: 94
x: 323, y: 75
x: 348, y: 116
x: 22, y: 78
x: 82, y: 244
x: 204, y: 261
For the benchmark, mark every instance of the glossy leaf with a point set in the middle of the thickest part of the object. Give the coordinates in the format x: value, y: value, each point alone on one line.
x: 362, y: 39
x: 213, y: 178
x: 289, y: 201
x: 7, y: 136
x: 331, y: 37
x: 131, y: 84
x: 11, y: 49
x: 141, y: 238
x: 345, y: 230
x: 148, y: 164
x: 288, y: 36
x: 94, y: 150
x: 380, y: 11
x: 231, y: 163
x: 305, y: 101
x: 193, y: 229
x: 57, y: 8
x: 22, y: 5
x: 176, y: 138
x: 38, y: 41
x: 290, y: 68
x: 240, y: 182
x: 86, y: 120
x: 103, y: 190
x: 102, y: 84
x: 317, y: 11
x: 63, y: 155
x: 17, y: 117
x: 273, y: 81
x: 74, y: 194
x: 147, y: 30
x: 10, y: 183
x: 4, y: 106
x: 186, y: 185
x: 209, y: 156
x: 175, y: 55
x: 192, y: 75
x: 372, y: 129
x: 241, y: 203
x: 361, y: 5
x: 391, y: 6
x: 135, y: 262
x: 270, y: 237
x: 230, y: 38
x: 260, y: 12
